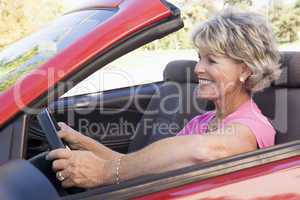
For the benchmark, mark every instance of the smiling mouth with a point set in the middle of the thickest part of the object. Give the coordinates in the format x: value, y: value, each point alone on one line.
x: 204, y: 81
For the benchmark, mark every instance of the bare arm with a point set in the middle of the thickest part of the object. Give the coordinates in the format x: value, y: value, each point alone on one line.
x: 97, y: 165
x: 178, y: 152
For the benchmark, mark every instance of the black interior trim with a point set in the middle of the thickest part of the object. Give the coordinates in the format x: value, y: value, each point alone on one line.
x: 13, y: 140
x: 154, y: 183
x: 107, y: 98
x: 19, y: 141
x: 5, y: 143
x: 175, y: 11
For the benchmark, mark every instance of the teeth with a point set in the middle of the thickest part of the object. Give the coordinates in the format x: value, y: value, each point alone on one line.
x: 203, y: 81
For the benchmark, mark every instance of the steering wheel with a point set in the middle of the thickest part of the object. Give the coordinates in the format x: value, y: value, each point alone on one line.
x: 50, y: 129
x: 45, y: 166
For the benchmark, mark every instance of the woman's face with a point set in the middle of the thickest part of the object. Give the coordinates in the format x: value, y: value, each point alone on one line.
x: 218, y: 76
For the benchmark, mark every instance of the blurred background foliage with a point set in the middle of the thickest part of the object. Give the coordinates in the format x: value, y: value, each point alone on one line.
x: 22, y: 17
x: 284, y: 18
x: 19, y: 18
x: 286, y: 21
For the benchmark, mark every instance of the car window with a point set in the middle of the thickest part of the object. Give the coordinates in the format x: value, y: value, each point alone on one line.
x: 31, y: 52
x: 138, y: 67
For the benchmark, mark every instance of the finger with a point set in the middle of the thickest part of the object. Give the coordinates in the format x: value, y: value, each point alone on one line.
x: 66, y: 174
x: 59, y: 165
x: 62, y: 125
x: 63, y: 134
x: 66, y: 132
x: 59, y: 154
x: 65, y: 127
x: 67, y: 183
x: 69, y: 138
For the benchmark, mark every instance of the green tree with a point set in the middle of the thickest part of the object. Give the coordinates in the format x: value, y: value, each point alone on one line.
x: 286, y: 22
x: 235, y: 2
x: 297, y: 14
x: 243, y: 4
x: 192, y: 13
x: 297, y: 4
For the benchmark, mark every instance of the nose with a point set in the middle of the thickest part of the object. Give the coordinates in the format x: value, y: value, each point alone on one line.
x: 199, y: 68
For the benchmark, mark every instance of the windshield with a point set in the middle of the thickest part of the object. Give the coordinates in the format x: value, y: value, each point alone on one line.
x: 31, y: 52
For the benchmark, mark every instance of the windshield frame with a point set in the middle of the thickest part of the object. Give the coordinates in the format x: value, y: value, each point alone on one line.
x: 130, y: 20
x: 30, y: 53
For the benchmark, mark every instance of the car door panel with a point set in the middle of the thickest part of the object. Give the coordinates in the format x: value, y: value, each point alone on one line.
x: 110, y: 117
x: 12, y: 140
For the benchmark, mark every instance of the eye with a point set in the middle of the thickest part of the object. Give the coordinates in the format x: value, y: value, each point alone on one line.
x: 211, y: 60
x: 199, y: 56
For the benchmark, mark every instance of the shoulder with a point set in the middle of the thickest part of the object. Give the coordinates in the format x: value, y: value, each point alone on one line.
x: 257, y: 123
x: 196, y: 124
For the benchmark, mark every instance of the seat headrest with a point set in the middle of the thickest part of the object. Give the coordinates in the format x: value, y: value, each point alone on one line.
x: 290, y: 65
x: 182, y: 71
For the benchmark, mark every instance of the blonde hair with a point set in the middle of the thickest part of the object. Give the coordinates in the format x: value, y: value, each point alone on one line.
x: 245, y: 37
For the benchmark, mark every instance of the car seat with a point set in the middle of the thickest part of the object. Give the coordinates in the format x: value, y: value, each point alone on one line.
x: 280, y: 102
x: 172, y: 106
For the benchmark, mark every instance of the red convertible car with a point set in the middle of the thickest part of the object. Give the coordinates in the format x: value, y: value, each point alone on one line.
x: 37, y: 70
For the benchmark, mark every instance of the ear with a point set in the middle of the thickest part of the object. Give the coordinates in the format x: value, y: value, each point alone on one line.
x: 246, y: 72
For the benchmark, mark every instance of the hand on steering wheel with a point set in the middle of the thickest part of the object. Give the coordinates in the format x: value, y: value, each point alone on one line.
x: 80, y: 168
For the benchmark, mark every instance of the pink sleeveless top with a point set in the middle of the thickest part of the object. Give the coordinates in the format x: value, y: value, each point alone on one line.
x: 247, y: 114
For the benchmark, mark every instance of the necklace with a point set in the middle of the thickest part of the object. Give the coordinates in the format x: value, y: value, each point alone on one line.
x: 212, y: 125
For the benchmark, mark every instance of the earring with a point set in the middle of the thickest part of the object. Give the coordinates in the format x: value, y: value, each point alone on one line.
x: 242, y: 79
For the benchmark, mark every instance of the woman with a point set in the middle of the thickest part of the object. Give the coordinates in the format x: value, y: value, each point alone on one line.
x: 237, y: 57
